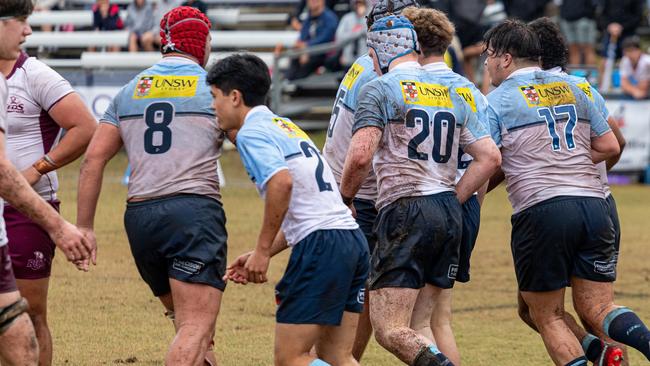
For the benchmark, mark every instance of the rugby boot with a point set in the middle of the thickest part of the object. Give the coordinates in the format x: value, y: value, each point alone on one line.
x: 610, y: 356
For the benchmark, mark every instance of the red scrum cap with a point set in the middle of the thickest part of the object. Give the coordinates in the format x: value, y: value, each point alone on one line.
x: 185, y: 29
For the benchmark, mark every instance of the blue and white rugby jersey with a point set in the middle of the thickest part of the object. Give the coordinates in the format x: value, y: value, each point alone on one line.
x: 339, y: 132
x: 424, y: 122
x: 169, y: 130
x: 544, y: 125
x: 476, y: 100
x: 599, y: 101
x: 268, y: 144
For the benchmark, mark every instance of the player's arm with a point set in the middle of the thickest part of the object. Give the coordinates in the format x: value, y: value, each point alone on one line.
x: 487, y: 159
x: 613, y: 124
x: 603, y: 141
x: 639, y: 91
x: 15, y: 189
x: 276, y: 204
x: 369, y: 121
x: 105, y: 143
x: 71, y: 114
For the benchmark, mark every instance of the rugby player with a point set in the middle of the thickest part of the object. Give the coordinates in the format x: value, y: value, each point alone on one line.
x: 337, y: 142
x: 319, y: 296
x: 555, y: 55
x: 41, y: 103
x: 432, y: 314
x: 551, y: 135
x: 413, y: 126
x: 18, y: 344
x: 174, y: 218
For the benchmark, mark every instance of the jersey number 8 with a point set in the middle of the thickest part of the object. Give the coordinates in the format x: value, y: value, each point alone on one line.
x: 444, y: 126
x: 158, y: 116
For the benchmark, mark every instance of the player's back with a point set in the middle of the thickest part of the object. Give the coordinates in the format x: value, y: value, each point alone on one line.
x: 169, y: 130
x: 339, y: 132
x: 268, y: 142
x: 544, y: 124
x: 423, y: 120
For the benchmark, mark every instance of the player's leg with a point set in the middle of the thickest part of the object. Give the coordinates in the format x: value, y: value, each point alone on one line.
x: 18, y: 344
x: 423, y: 312
x: 547, y: 312
x: 293, y: 343
x: 441, y: 326
x: 35, y: 292
x: 366, y: 216
x: 32, y: 251
x: 594, y: 301
x: 335, y: 343
x: 195, y: 312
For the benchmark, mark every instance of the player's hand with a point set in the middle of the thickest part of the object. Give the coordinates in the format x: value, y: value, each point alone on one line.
x: 72, y: 242
x: 236, y: 272
x: 84, y: 265
x: 256, y: 266
x: 31, y: 175
x: 353, y: 210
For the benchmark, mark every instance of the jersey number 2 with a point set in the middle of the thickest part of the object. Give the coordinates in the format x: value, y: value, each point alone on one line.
x: 158, y: 116
x: 309, y: 152
x: 572, y: 117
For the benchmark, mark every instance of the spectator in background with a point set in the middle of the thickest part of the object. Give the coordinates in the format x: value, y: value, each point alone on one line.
x: 199, y: 4
x: 635, y: 69
x: 151, y: 39
x: 466, y: 16
x: 50, y: 5
x: 294, y: 19
x: 578, y: 23
x: 106, y: 17
x: 139, y: 21
x: 319, y: 28
x: 618, y: 19
x: 353, y: 24
x: 526, y: 10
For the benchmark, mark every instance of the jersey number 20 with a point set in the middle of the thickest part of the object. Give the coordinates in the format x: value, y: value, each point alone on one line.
x: 158, y: 116
x: 441, y: 119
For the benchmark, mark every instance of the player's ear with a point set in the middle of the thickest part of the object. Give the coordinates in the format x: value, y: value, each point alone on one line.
x: 506, y: 60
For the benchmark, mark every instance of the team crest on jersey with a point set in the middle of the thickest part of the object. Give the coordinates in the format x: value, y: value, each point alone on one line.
x: 428, y: 95
x: 352, y: 76
x: 410, y: 91
x: 143, y: 87
x: 290, y: 128
x: 531, y: 94
x: 15, y: 105
x: 166, y: 86
x: 547, y: 95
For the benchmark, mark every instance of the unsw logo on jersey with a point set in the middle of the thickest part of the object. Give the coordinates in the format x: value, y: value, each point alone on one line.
x: 424, y: 94
x: 165, y: 86
x: 586, y: 88
x: 546, y: 95
x: 352, y: 75
x: 466, y: 93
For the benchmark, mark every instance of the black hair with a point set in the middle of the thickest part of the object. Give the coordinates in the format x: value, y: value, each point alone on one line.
x: 244, y: 72
x: 555, y: 52
x: 631, y: 42
x: 16, y: 8
x: 513, y: 37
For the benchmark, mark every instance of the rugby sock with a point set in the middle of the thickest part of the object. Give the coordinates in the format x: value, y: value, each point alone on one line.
x: 580, y: 361
x: 624, y: 326
x: 431, y: 356
x: 318, y: 362
x: 592, y: 346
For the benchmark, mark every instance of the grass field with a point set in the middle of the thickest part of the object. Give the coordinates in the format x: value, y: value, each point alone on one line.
x: 108, y: 316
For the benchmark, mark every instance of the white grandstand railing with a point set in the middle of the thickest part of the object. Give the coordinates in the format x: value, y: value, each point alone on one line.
x: 220, y: 39
x: 222, y: 17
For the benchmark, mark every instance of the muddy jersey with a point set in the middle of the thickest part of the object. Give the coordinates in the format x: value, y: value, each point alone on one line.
x: 34, y: 89
x: 544, y: 124
x: 424, y: 122
x: 169, y: 130
x: 596, y: 98
x: 476, y: 100
x: 268, y: 144
x: 339, y: 132
x: 4, y: 93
